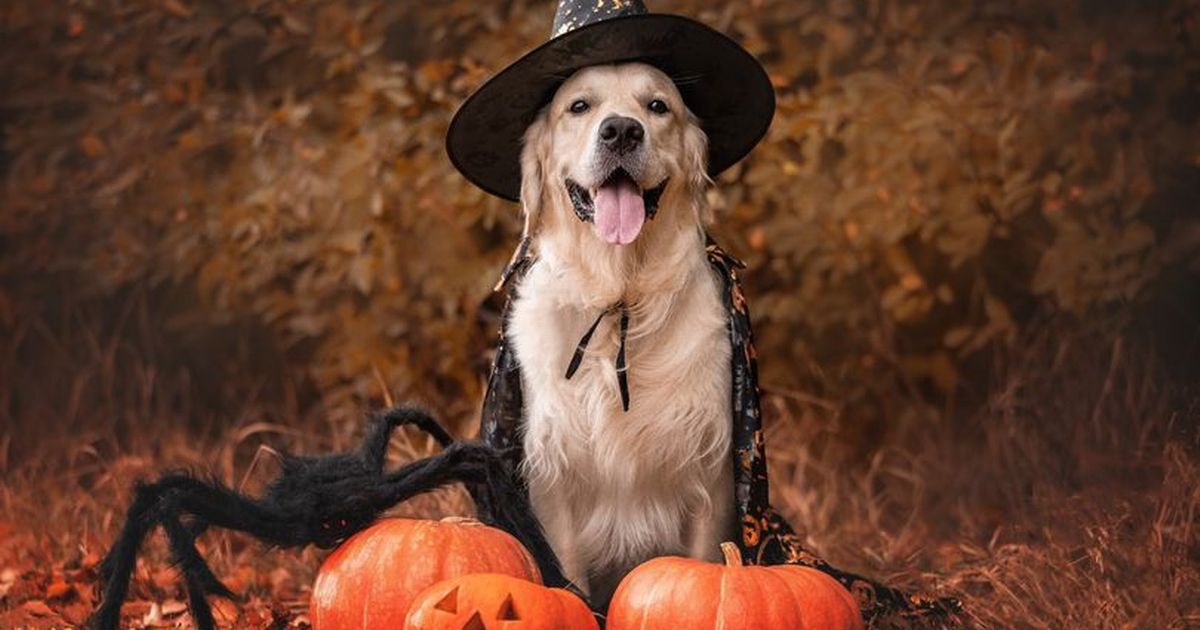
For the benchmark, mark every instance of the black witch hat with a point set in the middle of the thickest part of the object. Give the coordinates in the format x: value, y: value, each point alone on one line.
x: 721, y: 83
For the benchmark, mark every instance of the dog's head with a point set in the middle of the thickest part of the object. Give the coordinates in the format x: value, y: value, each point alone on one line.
x: 614, y: 149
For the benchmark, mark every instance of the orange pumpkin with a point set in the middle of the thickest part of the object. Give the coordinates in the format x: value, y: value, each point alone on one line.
x: 686, y: 594
x: 489, y: 601
x: 370, y: 580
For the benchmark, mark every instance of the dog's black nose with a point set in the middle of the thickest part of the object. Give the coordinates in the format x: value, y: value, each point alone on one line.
x: 621, y: 134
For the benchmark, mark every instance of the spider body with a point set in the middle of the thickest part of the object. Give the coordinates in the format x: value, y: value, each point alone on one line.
x: 316, y: 500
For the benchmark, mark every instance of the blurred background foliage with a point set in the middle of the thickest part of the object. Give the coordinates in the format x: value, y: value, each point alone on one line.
x: 253, y: 195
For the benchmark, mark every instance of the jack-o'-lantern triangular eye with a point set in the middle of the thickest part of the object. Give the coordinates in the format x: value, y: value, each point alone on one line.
x: 474, y: 623
x: 508, y: 612
x: 449, y: 603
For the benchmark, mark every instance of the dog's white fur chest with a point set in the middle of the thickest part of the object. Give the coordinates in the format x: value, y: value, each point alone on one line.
x: 614, y: 488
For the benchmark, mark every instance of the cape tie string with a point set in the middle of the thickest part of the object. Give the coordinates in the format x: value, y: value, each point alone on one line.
x: 622, y: 368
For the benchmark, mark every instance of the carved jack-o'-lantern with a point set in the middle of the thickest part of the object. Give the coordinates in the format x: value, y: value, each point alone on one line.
x: 491, y: 601
x: 370, y: 581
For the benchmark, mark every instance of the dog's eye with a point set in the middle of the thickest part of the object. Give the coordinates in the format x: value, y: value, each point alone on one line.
x: 579, y: 106
x: 658, y: 106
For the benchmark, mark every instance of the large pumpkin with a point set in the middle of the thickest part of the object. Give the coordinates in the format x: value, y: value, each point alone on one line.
x: 370, y: 580
x: 492, y: 601
x: 686, y: 594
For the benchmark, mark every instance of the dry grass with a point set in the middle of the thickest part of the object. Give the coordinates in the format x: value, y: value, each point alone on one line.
x: 68, y: 462
x: 1069, y: 501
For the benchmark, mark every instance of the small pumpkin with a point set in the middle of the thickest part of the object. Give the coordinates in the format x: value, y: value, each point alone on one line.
x: 489, y: 601
x: 370, y: 580
x: 687, y: 594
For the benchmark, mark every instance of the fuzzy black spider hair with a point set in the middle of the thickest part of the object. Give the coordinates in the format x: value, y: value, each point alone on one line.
x: 316, y: 500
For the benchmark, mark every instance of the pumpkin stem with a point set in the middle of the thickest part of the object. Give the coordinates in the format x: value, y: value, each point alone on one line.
x: 733, y: 555
x: 460, y: 520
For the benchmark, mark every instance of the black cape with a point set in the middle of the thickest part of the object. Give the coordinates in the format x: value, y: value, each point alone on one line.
x: 766, y: 538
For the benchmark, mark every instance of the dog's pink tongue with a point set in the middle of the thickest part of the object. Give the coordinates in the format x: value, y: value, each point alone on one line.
x: 620, y: 211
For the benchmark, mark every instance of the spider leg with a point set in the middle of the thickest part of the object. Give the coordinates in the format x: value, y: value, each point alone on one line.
x: 118, y: 564
x: 162, y: 503
x: 375, y: 444
x: 483, y: 497
x: 499, y: 497
x: 196, y: 526
x: 483, y: 470
x: 505, y: 504
x: 423, y: 421
x: 198, y: 577
x: 183, y: 547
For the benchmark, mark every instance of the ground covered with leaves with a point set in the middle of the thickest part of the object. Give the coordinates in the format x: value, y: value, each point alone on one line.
x: 1068, y: 501
x: 228, y: 227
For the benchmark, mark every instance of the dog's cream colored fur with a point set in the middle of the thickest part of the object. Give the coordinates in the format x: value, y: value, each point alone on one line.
x: 615, y: 488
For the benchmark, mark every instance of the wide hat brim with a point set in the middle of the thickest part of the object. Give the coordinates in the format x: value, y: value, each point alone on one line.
x: 722, y: 83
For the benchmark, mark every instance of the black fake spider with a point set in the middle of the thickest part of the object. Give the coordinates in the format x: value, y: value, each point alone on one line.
x: 316, y: 500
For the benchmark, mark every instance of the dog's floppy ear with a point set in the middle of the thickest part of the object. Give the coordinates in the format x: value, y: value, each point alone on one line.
x: 695, y: 163
x: 533, y: 155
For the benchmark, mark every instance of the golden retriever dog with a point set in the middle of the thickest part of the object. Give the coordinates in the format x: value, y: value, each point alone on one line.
x: 613, y: 188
